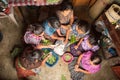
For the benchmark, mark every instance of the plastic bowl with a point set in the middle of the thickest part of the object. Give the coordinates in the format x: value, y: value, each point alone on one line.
x: 53, y: 54
x: 67, y: 57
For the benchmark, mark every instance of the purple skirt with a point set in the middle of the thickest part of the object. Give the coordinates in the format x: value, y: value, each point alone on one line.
x: 76, y: 52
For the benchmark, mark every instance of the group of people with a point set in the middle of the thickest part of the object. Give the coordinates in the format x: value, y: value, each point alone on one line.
x: 60, y: 28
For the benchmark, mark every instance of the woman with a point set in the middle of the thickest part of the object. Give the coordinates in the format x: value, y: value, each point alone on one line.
x: 29, y: 62
x: 87, y: 63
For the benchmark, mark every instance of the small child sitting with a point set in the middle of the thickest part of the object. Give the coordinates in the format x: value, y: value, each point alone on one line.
x: 66, y: 17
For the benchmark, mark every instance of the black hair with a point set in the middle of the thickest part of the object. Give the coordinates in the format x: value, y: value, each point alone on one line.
x: 92, y: 40
x: 36, y: 28
x: 54, y: 22
x: 66, y: 6
x: 35, y: 54
x: 96, y: 59
x: 83, y: 25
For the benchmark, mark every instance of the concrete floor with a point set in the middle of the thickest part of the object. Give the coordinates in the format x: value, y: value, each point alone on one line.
x: 13, y: 36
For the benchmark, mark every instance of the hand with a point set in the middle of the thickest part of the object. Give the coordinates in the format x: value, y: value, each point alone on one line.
x: 76, y: 47
x: 50, y: 54
x: 66, y: 41
x: 69, y: 26
x: 38, y: 47
x: 76, y: 68
x: 52, y: 46
x: 62, y: 38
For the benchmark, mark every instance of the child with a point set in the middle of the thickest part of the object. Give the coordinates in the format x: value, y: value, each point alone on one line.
x: 66, y: 18
x: 51, y: 26
x: 87, y: 63
x: 29, y: 62
x: 79, y: 29
x: 65, y: 14
x: 88, y: 43
x: 34, y: 35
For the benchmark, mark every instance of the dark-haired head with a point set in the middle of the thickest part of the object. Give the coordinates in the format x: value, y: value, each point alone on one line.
x: 96, y: 59
x: 37, y: 29
x: 92, y: 40
x: 54, y: 22
x: 66, y: 6
x: 35, y: 55
x: 83, y: 25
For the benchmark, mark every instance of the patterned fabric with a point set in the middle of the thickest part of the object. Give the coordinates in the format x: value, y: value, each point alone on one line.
x: 33, y: 2
x: 85, y: 63
x: 75, y: 52
x: 48, y: 29
x: 82, y: 47
x: 31, y: 38
x: 75, y: 75
x: 22, y: 72
x: 86, y: 47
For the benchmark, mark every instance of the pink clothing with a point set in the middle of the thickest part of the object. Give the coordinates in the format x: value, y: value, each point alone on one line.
x: 85, y: 63
x: 31, y: 38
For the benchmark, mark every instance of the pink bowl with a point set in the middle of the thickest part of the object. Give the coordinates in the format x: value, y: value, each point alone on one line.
x: 67, y: 57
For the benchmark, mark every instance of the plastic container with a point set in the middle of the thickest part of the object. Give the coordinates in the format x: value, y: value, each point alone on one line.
x: 67, y: 57
x: 113, y: 13
x: 53, y: 54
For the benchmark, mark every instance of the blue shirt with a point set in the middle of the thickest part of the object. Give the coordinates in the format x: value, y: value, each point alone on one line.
x: 75, y: 32
x: 48, y: 29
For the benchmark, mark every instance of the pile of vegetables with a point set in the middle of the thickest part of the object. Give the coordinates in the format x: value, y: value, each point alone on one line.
x: 46, y: 42
x: 46, y: 53
x: 51, y: 60
x: 67, y: 57
x: 72, y: 39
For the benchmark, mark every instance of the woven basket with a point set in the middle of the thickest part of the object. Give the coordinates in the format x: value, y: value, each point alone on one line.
x: 113, y: 13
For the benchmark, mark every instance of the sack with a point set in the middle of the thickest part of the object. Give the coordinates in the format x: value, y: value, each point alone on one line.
x: 59, y: 48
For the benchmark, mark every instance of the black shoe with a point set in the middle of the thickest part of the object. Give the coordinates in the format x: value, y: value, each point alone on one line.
x: 1, y: 36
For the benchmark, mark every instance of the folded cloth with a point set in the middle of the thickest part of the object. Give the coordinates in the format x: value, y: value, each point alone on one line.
x: 33, y: 2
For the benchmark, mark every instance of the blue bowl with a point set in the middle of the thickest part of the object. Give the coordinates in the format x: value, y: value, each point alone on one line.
x: 55, y: 55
